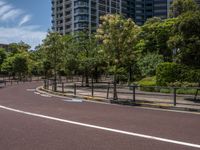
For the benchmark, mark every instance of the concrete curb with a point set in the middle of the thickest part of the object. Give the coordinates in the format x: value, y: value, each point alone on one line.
x: 129, y: 103
x: 89, y: 98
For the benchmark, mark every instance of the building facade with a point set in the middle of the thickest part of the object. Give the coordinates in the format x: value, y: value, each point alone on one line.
x: 78, y: 15
x: 141, y: 10
x: 198, y: 2
x: 4, y: 46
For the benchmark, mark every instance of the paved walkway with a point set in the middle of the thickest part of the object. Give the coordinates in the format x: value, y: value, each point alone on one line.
x: 149, y: 98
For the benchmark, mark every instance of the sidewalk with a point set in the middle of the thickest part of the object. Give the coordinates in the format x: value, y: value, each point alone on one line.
x: 125, y: 96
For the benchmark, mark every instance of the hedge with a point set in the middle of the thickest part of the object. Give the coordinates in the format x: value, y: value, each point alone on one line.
x: 168, y: 72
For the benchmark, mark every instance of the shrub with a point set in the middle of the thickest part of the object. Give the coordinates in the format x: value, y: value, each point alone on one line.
x: 146, y: 84
x: 167, y: 73
x: 171, y: 73
x: 149, y: 63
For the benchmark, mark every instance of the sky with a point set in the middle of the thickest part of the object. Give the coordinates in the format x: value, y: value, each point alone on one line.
x: 24, y: 20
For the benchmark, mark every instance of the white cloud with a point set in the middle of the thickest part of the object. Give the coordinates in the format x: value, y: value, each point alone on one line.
x: 2, y: 3
x: 13, y: 28
x: 12, y: 14
x: 27, y: 34
x: 4, y: 9
x: 25, y: 19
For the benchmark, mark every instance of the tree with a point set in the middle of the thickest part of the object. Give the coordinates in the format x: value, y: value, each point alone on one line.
x: 70, y: 55
x: 179, y: 7
x: 20, y: 65
x: 118, y: 37
x: 18, y: 47
x: 2, y: 56
x: 88, y: 54
x: 153, y: 36
x: 53, y: 51
x: 186, y: 39
x: 148, y: 64
x: 7, y: 66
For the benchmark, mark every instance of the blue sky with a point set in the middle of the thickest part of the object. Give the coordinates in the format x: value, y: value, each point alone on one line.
x: 24, y: 20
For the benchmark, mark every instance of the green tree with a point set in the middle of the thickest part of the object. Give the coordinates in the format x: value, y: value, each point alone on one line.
x: 20, y: 65
x: 153, y: 36
x: 2, y: 56
x: 18, y: 47
x: 52, y: 48
x: 7, y: 66
x: 88, y: 55
x: 148, y: 64
x: 118, y: 37
x: 186, y: 39
x: 179, y: 7
x: 70, y: 55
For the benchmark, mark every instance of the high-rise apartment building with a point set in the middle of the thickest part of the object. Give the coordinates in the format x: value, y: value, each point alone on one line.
x: 141, y: 10
x: 77, y: 15
x: 198, y: 2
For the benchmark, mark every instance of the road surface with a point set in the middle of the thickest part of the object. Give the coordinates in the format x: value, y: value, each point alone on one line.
x: 33, y: 121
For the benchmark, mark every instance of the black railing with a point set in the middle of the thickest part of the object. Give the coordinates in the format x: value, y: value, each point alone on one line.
x: 131, y: 93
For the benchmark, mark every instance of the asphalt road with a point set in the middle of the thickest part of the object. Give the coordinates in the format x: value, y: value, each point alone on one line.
x: 33, y: 121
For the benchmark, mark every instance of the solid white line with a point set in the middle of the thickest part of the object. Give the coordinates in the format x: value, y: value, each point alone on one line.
x: 103, y: 128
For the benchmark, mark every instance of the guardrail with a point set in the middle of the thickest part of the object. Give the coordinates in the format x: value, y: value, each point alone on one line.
x: 131, y: 93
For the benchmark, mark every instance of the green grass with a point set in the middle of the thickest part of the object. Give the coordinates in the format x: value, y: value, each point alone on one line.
x: 151, y: 81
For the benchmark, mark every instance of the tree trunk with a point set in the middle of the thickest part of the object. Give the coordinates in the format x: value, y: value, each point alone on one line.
x: 86, y: 79
x: 130, y: 74
x: 115, y: 88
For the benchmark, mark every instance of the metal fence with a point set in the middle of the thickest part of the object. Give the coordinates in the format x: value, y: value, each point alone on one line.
x: 129, y: 94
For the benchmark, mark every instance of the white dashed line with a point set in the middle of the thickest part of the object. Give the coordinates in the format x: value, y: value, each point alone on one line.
x: 31, y: 90
x: 73, y: 100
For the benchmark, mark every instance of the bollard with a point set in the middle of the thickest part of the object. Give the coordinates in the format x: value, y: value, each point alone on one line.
x: 108, y: 90
x: 174, y: 96
x: 47, y: 84
x: 74, y: 89
x: 134, y: 93
x: 63, y: 87
x: 92, y: 87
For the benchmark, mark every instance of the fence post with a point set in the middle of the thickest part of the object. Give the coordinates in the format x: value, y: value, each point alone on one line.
x: 44, y: 86
x: 92, y: 87
x: 174, y: 96
x: 63, y: 87
x: 47, y: 84
x: 74, y: 89
x: 134, y: 93
x: 108, y: 90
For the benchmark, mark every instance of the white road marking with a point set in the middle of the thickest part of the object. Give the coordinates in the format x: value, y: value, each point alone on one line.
x: 37, y: 93
x: 103, y: 128
x: 31, y: 90
x: 73, y: 100
x: 45, y: 95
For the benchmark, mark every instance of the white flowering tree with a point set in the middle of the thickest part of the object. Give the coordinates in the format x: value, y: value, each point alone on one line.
x: 118, y: 37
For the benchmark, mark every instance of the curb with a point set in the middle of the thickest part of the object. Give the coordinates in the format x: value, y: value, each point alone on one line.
x: 129, y: 103
x: 89, y: 98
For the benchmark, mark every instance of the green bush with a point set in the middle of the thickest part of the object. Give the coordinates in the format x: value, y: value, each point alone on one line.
x: 167, y: 73
x: 149, y: 81
x: 149, y: 63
